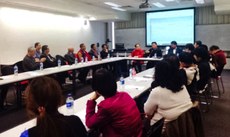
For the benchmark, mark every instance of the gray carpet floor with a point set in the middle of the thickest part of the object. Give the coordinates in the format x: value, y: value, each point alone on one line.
x: 216, y: 120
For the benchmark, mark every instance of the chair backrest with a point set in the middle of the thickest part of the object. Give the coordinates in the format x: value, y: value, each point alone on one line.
x: 20, y: 66
x: 7, y: 70
x: 63, y: 60
x: 156, y: 129
x: 188, y: 124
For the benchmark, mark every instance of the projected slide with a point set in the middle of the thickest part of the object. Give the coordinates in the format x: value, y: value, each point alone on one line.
x: 166, y: 26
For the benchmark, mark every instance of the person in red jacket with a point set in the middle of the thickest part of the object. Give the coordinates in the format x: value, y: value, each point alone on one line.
x: 117, y: 115
x: 219, y: 59
x: 137, y: 52
x: 83, y: 55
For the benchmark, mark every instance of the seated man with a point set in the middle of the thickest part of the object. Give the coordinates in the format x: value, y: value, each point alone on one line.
x: 218, y: 59
x: 37, y: 46
x: 174, y: 49
x: 82, y: 55
x: 93, y: 52
x: 31, y: 63
x: 153, y: 52
x: 137, y: 52
x: 50, y: 61
x: 69, y: 56
x: 105, y: 51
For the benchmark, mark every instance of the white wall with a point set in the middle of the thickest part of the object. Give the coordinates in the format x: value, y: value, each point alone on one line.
x: 20, y: 29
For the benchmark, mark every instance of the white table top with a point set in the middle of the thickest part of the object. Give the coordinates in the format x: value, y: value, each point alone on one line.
x: 33, y: 74
x: 134, y: 87
x: 144, y: 59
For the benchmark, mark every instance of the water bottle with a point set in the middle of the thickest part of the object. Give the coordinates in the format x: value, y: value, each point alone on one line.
x: 76, y: 61
x: 130, y: 73
x: 99, y: 56
x: 155, y: 55
x: 59, y: 63
x: 93, y: 58
x: 82, y: 60
x: 41, y: 66
x: 15, y: 70
x: 86, y: 59
x: 70, y: 104
x: 108, y: 56
x: 125, y: 54
x: 122, y: 82
x: 117, y: 55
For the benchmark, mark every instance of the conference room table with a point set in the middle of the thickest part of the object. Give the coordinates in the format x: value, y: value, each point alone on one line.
x: 134, y: 86
x: 9, y: 79
x: 33, y: 74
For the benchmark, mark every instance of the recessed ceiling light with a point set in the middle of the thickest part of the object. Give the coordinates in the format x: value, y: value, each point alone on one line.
x: 158, y: 4
x: 112, y: 4
x: 116, y: 8
x: 200, y: 1
x: 169, y: 0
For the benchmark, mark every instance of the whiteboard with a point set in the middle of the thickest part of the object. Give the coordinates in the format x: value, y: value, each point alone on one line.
x: 208, y: 34
x: 130, y: 37
x: 214, y: 35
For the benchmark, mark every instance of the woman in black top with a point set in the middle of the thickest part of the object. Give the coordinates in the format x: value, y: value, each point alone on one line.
x: 202, y: 60
x: 44, y: 98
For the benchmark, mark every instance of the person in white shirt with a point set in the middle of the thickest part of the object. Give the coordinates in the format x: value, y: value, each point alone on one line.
x: 192, y: 73
x: 170, y: 98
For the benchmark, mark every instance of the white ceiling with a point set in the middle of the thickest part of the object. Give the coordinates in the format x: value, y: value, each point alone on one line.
x: 97, y: 8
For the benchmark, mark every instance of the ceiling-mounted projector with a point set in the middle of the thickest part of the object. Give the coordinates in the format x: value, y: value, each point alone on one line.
x: 145, y: 5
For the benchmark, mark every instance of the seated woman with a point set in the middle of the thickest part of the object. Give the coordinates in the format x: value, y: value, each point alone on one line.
x: 202, y: 60
x: 170, y: 99
x: 117, y: 114
x: 192, y: 73
x: 137, y: 52
x: 44, y: 98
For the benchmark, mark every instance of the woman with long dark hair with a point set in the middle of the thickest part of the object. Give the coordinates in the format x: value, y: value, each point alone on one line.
x: 169, y: 99
x: 44, y: 98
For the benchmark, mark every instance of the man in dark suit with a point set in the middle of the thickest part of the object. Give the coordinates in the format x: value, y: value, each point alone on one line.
x: 50, y: 61
x: 174, y: 49
x: 31, y: 63
x: 70, y: 56
x: 153, y: 52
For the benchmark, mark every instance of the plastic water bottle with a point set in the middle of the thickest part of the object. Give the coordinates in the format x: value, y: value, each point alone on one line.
x: 82, y: 60
x: 117, y: 55
x: 108, y: 56
x: 70, y: 104
x: 99, y: 56
x: 76, y: 61
x: 15, y: 70
x: 155, y: 55
x: 93, y: 58
x: 86, y: 59
x: 130, y: 73
x: 122, y: 82
x: 125, y: 54
x: 59, y: 63
x: 41, y: 66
